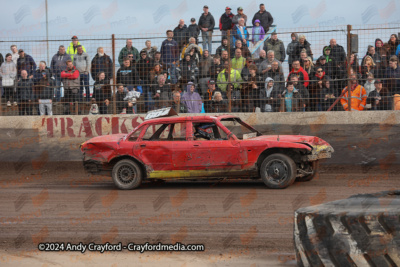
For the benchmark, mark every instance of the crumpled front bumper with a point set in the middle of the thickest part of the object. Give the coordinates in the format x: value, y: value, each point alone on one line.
x: 319, y: 152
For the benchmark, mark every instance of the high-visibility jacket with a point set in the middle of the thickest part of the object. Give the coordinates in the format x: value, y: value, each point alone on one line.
x: 358, y: 98
x: 396, y: 102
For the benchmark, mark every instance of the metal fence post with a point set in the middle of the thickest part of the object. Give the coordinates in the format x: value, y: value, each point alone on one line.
x: 114, y: 79
x: 349, y: 27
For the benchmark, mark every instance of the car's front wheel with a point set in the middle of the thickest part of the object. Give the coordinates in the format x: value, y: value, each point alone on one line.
x: 127, y: 174
x: 278, y: 171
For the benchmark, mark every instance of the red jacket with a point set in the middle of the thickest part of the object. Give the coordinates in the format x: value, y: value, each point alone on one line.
x: 303, y: 76
x: 70, y: 74
x: 71, y: 79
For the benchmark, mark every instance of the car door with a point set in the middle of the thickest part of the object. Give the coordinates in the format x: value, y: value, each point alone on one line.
x: 221, y: 152
x: 154, y: 148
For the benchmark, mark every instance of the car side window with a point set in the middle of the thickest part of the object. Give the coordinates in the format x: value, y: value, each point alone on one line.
x: 135, y: 135
x: 166, y: 132
x: 207, y: 131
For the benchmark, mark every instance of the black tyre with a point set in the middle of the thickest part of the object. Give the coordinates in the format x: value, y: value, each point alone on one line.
x: 127, y: 174
x: 363, y: 230
x: 278, y: 171
x: 314, y: 167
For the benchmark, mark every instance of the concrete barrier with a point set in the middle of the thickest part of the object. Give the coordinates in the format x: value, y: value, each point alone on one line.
x: 360, y: 138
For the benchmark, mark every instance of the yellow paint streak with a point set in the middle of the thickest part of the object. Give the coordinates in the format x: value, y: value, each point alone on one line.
x: 184, y: 173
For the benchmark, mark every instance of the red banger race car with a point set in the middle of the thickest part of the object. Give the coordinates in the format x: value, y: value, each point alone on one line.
x: 203, y: 147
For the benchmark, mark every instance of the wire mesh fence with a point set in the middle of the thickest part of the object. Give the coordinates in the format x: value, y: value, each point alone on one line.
x: 288, y: 70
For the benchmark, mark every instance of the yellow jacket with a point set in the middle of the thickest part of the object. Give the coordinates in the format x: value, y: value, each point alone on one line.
x: 71, y: 51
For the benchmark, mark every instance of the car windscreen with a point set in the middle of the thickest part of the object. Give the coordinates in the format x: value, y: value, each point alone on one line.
x: 241, y: 130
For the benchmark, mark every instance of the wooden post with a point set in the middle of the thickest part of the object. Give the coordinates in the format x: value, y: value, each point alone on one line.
x: 228, y: 93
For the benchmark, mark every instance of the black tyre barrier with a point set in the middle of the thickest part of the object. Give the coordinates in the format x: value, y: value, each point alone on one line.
x: 362, y: 230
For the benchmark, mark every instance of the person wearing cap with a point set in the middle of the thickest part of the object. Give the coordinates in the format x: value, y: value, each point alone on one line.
x: 73, y: 46
x: 239, y: 15
x: 25, y: 62
x: 392, y: 76
x: 378, y: 99
x: 128, y: 49
x: 290, y: 49
x: 264, y: 17
x: 8, y: 73
x: 206, y: 26
x: 357, y: 94
x: 275, y: 45
x: 181, y: 34
x: 82, y: 63
x: 225, y: 21
x: 240, y: 32
x: 57, y: 65
x: 194, y: 30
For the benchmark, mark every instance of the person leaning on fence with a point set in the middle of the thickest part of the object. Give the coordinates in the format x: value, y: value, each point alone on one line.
x: 25, y: 62
x: 378, y: 99
x: 101, y: 63
x: 71, y: 80
x: 14, y: 53
x: 264, y: 17
x: 149, y: 50
x: 392, y: 76
x: 177, y: 104
x: 57, y: 65
x: 81, y: 61
x: 275, y: 45
x: 8, y: 72
x: 327, y: 95
x: 225, y: 21
x: 25, y: 94
x: 73, y: 47
x: 206, y: 26
x: 126, y: 50
x: 228, y: 73
x: 269, y: 96
x: 290, y: 99
x: 102, y: 92
x: 240, y: 32
x: 357, y: 94
x: 45, y: 92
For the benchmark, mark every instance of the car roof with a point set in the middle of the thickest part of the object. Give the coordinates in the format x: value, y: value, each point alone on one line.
x: 178, y: 119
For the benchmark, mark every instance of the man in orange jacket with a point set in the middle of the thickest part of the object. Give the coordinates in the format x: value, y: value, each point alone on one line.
x: 358, y: 95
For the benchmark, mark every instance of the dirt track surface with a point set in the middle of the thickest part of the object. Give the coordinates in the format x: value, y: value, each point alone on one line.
x: 240, y: 222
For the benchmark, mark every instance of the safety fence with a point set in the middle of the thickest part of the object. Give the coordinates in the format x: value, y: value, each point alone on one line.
x: 152, y: 79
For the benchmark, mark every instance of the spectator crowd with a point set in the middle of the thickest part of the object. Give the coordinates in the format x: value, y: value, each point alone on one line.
x: 192, y: 79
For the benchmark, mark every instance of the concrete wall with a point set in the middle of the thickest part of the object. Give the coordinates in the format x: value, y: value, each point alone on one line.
x: 360, y: 138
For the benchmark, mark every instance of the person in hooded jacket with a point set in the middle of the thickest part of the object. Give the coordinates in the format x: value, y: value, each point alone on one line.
x: 290, y: 99
x: 290, y: 50
x: 276, y: 74
x: 327, y: 94
x: 102, y: 92
x: 269, y: 96
x: 302, y: 44
x: 192, y: 99
x: 223, y: 46
x: 393, y: 44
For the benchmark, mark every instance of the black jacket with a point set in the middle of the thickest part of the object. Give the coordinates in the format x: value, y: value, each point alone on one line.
x: 207, y: 22
x: 193, y: 31
x: 99, y: 64
x: 338, y: 53
x: 272, y: 100
x: 25, y: 90
x: 128, y: 76
x: 101, y: 90
x: 225, y: 22
x: 182, y: 107
x: 265, y: 18
x: 181, y: 35
x: 45, y: 89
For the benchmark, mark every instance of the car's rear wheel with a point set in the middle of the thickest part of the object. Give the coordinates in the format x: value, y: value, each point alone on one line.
x: 314, y: 167
x: 127, y: 174
x: 278, y: 171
